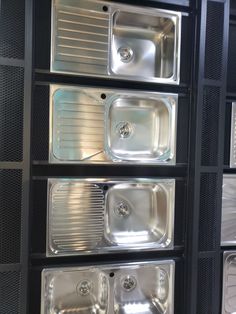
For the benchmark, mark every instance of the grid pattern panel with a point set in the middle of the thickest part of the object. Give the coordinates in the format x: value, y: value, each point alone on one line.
x: 214, y: 40
x: 10, y: 292
x: 206, y: 273
x: 11, y: 113
x: 10, y: 213
x: 210, y: 125
x: 12, y: 14
x: 208, y: 207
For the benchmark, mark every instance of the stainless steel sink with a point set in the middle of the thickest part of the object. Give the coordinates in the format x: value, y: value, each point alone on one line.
x: 90, y: 216
x: 228, y: 225
x: 229, y: 283
x: 145, y: 288
x: 98, y: 38
x: 90, y: 125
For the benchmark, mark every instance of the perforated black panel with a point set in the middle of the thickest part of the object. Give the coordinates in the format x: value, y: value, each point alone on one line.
x: 207, y: 215
x: 10, y: 216
x: 12, y: 14
x: 10, y: 292
x: 210, y: 125
x: 206, y: 273
x: 214, y: 40
x: 11, y: 113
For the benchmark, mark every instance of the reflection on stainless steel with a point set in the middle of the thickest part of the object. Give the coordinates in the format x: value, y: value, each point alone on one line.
x: 228, y: 224
x: 89, y: 125
x: 126, y: 41
x: 133, y: 288
x: 88, y: 216
x: 229, y: 283
x: 233, y: 137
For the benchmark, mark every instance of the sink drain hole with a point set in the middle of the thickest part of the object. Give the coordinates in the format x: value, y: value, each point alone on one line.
x: 125, y: 54
x: 84, y: 287
x: 124, y: 129
x: 128, y: 283
x: 122, y: 210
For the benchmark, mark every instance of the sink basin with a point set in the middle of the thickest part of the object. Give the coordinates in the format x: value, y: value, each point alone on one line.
x: 95, y: 38
x: 75, y: 291
x: 229, y: 283
x: 140, y: 129
x: 142, y: 45
x: 90, y: 125
x: 144, y: 288
x: 228, y: 223
x: 136, y: 214
x: 90, y: 216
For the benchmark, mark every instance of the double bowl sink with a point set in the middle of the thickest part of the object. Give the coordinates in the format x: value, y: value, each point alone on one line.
x: 92, y: 125
x: 89, y: 216
x: 107, y: 39
x: 144, y: 288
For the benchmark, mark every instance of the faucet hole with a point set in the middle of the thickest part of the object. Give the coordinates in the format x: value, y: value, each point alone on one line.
x: 105, y: 187
x: 111, y: 275
x: 105, y: 8
x: 103, y: 96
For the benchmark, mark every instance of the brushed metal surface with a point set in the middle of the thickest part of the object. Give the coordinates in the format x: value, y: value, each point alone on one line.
x: 229, y: 283
x: 91, y: 125
x: 145, y: 287
x: 90, y: 216
x: 233, y: 137
x: 228, y: 225
x: 97, y: 38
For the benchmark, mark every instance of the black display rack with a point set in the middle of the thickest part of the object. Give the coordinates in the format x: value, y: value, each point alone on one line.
x: 205, y: 92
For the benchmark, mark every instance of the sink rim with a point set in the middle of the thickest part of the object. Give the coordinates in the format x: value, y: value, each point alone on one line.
x: 171, y: 103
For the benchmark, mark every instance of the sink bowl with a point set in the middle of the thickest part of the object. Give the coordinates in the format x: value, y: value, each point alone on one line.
x: 75, y: 291
x: 229, y: 283
x: 143, y: 45
x: 95, y: 38
x: 140, y: 129
x: 90, y: 216
x: 136, y: 214
x: 228, y: 222
x: 90, y: 125
x: 144, y: 288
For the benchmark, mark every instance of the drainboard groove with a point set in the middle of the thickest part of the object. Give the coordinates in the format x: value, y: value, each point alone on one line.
x: 86, y: 15
x: 83, y: 40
